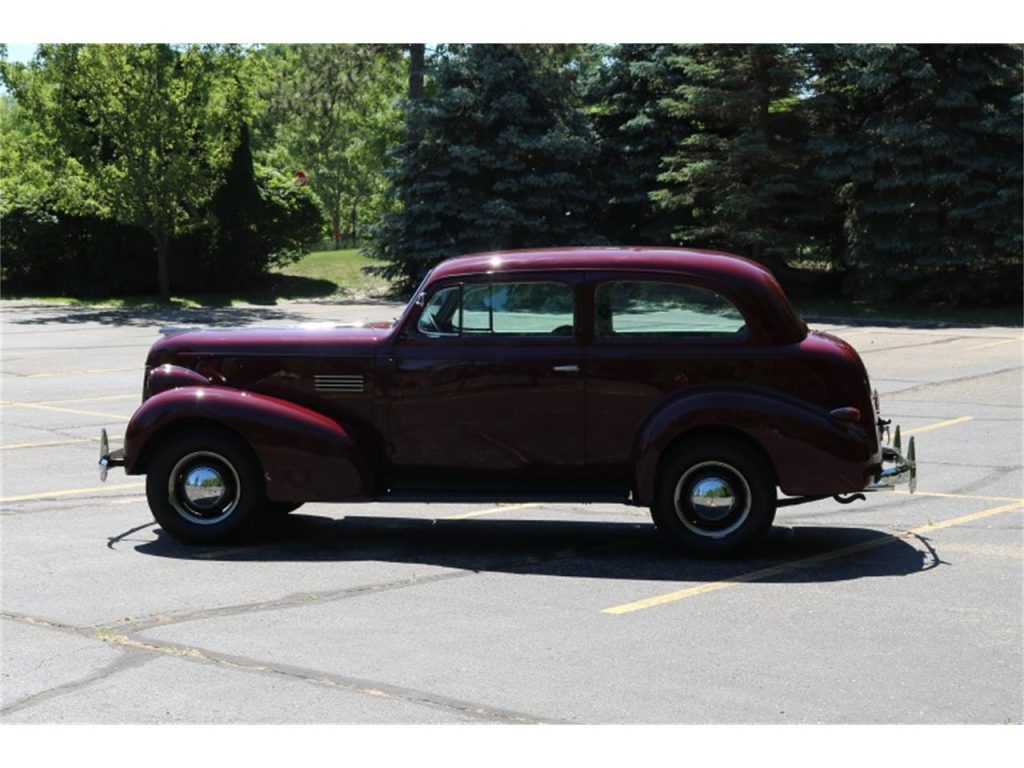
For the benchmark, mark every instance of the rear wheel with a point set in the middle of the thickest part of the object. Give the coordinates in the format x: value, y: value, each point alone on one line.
x: 204, y: 486
x: 715, y: 498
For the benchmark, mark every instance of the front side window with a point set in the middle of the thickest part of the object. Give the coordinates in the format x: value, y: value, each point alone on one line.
x: 440, y: 315
x: 500, y: 309
x: 650, y: 308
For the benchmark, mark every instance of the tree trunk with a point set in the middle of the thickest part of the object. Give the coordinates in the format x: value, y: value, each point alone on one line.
x: 336, y: 227
x: 163, y: 273
x: 416, y: 57
x: 352, y: 224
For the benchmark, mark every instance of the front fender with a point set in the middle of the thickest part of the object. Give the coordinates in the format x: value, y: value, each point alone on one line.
x: 305, y: 455
x: 811, y: 453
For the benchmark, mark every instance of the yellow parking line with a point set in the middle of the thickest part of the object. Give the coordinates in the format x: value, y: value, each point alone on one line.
x: 80, y: 373
x: 47, y: 443
x: 37, y: 406
x: 490, y: 511
x: 73, y: 492
x: 993, y: 344
x: 967, y: 496
x: 682, y: 594
x: 54, y: 443
x: 79, y: 400
x: 939, y: 425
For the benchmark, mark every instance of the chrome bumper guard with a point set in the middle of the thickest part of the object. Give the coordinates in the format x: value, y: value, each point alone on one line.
x: 108, y: 458
x: 897, y: 469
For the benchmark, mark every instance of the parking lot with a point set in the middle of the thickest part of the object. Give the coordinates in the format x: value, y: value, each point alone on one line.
x: 899, y: 609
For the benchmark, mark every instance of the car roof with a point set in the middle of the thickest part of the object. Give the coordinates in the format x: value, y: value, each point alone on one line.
x: 693, y: 261
x: 751, y: 285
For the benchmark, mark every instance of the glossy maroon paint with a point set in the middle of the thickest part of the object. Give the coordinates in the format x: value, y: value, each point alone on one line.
x: 575, y: 413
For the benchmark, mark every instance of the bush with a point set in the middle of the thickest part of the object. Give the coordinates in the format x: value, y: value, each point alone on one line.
x: 86, y: 256
x: 74, y: 255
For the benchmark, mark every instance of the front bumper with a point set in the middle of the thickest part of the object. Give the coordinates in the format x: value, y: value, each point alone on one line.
x: 108, y: 458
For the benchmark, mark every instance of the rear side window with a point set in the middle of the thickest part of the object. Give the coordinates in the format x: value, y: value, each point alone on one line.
x: 650, y: 308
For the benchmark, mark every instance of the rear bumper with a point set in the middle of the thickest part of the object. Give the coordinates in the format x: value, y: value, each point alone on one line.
x: 896, y: 469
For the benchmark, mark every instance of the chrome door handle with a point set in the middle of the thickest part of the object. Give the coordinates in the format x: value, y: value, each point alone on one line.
x: 566, y: 369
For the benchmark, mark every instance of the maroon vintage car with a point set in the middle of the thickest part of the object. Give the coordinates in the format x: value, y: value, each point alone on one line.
x: 678, y: 380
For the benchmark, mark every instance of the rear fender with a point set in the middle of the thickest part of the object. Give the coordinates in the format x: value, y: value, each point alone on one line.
x: 305, y: 455
x: 811, y: 453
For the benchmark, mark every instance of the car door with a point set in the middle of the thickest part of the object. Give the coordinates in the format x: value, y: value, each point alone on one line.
x: 486, y: 384
x: 654, y: 336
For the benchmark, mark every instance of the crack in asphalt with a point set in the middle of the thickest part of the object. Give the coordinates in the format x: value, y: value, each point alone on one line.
x: 959, y: 380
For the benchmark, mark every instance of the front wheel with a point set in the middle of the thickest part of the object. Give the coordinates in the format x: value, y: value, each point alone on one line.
x: 715, y: 498
x: 204, y: 486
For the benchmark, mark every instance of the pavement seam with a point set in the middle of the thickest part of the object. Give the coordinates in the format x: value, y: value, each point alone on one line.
x: 128, y: 659
x: 327, y: 679
x: 959, y: 380
x: 139, y: 650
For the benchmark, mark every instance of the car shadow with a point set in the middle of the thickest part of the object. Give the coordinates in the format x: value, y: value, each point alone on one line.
x: 579, y: 549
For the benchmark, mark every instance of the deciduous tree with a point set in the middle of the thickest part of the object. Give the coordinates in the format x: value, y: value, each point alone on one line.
x: 147, y: 129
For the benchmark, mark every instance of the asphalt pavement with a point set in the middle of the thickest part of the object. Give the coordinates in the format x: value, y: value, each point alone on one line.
x: 902, y: 609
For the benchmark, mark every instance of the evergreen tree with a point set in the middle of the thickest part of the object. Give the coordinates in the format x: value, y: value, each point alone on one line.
x: 495, y: 156
x: 635, y: 130
x: 738, y: 178
x: 924, y: 147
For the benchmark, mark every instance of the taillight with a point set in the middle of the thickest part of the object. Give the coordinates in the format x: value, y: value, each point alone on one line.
x: 849, y: 414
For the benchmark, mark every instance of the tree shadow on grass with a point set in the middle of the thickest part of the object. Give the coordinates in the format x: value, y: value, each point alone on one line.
x: 603, y: 550
x: 259, y: 305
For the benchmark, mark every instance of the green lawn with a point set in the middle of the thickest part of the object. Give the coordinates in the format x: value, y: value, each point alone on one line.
x: 346, y: 270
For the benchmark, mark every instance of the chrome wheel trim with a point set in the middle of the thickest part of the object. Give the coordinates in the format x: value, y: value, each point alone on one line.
x: 203, y: 488
x: 712, y: 493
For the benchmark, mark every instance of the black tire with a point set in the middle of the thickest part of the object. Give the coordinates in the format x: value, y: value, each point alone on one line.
x: 204, y: 486
x: 736, y: 486
x: 281, y: 508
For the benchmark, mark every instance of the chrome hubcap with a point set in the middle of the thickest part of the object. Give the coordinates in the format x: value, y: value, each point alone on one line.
x: 203, y: 488
x: 712, y: 499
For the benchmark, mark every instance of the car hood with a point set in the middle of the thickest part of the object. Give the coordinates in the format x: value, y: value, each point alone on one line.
x: 180, y: 345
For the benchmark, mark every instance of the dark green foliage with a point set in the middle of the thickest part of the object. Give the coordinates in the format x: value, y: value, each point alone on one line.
x: 495, y: 157
x: 923, y: 147
x: 627, y: 104
x: 74, y: 255
x: 256, y: 224
x: 237, y: 251
x: 252, y: 225
x: 290, y: 219
x: 738, y: 176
